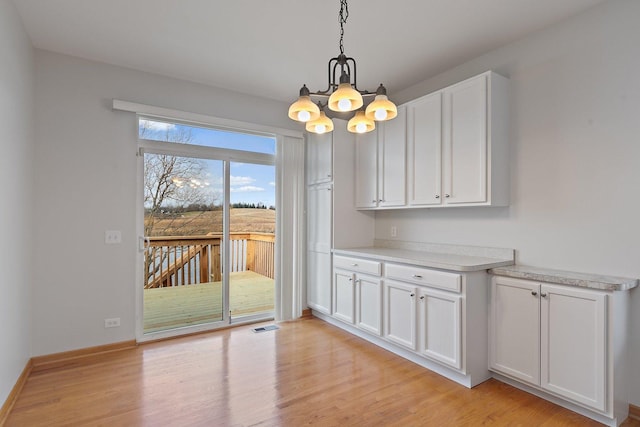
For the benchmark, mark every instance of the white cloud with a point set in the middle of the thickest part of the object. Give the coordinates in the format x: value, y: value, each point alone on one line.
x: 242, y: 180
x: 156, y: 126
x: 247, y: 189
x: 273, y: 184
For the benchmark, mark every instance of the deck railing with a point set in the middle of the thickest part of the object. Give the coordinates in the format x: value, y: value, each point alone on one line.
x: 188, y: 260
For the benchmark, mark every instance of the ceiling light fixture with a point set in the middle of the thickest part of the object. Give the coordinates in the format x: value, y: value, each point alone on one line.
x: 342, y: 97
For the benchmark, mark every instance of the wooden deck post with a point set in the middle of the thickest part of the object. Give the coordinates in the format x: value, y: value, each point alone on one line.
x: 251, y: 254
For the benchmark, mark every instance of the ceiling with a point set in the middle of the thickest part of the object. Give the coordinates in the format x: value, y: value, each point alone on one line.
x: 271, y: 47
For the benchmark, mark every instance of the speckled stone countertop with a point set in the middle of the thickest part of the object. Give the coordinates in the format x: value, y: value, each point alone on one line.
x: 446, y: 257
x: 593, y: 281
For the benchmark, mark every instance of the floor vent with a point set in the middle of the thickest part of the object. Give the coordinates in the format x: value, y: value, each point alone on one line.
x: 265, y: 328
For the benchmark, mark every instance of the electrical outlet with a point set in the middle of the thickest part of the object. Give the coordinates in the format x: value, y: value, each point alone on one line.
x: 394, y: 231
x: 112, y: 323
x: 112, y: 237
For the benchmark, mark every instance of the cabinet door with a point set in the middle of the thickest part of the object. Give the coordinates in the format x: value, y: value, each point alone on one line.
x: 440, y: 332
x: 573, y: 344
x: 424, y: 140
x: 392, y: 161
x: 514, y: 329
x: 319, y: 215
x: 369, y: 304
x: 400, y: 314
x: 319, y: 158
x: 343, y: 294
x: 465, y: 155
x: 319, y: 281
x: 367, y: 170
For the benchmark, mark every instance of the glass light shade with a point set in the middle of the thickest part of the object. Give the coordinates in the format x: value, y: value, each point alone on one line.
x: 381, y: 109
x: 304, y: 110
x: 345, y: 93
x: 321, y: 125
x: 360, y: 123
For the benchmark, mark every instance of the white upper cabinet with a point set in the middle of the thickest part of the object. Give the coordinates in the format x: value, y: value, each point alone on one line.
x: 457, y: 146
x: 465, y: 142
x: 392, y: 143
x: 319, y: 158
x: 381, y: 165
x: 367, y: 170
x: 424, y: 141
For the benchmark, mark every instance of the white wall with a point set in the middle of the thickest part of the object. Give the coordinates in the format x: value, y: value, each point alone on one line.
x: 575, y: 154
x: 16, y: 196
x: 86, y: 184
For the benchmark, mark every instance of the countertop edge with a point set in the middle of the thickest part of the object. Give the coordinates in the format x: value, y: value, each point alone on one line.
x: 480, y: 266
x: 591, y: 281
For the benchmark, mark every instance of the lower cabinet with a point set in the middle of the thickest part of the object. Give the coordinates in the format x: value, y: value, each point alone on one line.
x: 319, y: 274
x: 400, y: 314
x: 421, y: 312
x: 369, y: 303
x: 358, y: 293
x: 344, y: 294
x: 440, y: 321
x: 554, y: 338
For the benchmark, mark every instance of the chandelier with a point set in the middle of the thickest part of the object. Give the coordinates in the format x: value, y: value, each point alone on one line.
x: 342, y: 97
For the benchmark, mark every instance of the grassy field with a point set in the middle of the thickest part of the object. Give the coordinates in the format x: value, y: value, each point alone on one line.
x: 203, y: 223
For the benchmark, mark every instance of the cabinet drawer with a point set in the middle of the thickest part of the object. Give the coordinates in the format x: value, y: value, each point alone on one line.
x: 357, y: 264
x: 425, y: 276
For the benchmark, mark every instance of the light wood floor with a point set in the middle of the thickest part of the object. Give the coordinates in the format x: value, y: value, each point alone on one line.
x: 174, y: 307
x: 307, y: 372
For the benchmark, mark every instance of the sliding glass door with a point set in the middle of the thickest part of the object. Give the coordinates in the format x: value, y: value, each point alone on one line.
x: 209, y: 229
x: 183, y: 229
x: 252, y: 223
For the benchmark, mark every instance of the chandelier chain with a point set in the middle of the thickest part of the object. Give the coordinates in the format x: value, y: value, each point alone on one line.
x: 342, y: 18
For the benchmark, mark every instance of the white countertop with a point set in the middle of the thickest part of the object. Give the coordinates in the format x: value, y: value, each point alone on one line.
x: 570, y: 278
x: 446, y: 261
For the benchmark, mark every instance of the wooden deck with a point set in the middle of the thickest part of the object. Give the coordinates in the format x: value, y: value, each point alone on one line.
x: 175, y: 307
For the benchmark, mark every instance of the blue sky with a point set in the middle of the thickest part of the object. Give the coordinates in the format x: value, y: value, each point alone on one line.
x: 249, y: 183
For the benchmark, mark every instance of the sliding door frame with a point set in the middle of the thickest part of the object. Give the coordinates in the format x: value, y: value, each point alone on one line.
x: 227, y: 156
x: 289, y: 273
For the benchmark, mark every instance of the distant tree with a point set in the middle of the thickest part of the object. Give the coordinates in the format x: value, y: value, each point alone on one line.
x: 172, y: 185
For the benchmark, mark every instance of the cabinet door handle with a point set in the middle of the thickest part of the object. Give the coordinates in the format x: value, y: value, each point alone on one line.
x: 534, y: 293
x: 328, y: 175
x: 350, y: 279
x: 437, y: 196
x: 422, y: 297
x: 417, y: 276
x: 381, y: 200
x: 447, y: 195
x: 374, y: 201
x: 543, y: 295
x: 412, y: 295
x: 359, y: 281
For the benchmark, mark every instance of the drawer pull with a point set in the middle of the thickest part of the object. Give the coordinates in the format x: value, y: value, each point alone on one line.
x: 417, y: 276
x: 412, y: 295
x: 422, y: 297
x: 534, y: 293
x: 543, y: 295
